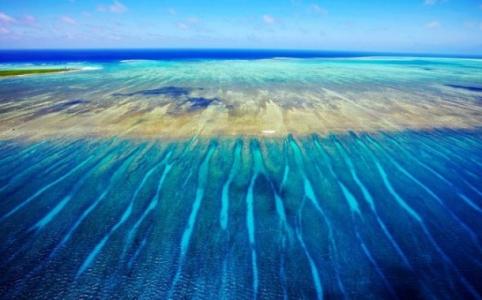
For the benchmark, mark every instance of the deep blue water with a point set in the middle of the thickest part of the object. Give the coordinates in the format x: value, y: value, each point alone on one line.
x: 63, y: 55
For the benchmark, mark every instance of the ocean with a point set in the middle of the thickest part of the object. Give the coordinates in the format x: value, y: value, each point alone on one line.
x: 240, y: 174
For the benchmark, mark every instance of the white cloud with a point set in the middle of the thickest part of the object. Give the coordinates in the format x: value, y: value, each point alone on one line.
x: 172, y: 11
x: 192, y: 20
x: 28, y: 20
x: 68, y: 20
x: 182, y: 26
x: 267, y: 19
x: 116, y: 7
x: 4, y: 30
x: 315, y: 8
x: 188, y: 23
x: 6, y: 19
x: 433, y: 25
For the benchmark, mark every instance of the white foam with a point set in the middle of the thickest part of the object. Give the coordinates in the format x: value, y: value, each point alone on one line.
x: 89, y: 68
x: 126, y: 61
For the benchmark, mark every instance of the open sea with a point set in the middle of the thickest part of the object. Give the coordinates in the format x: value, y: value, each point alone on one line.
x: 240, y: 174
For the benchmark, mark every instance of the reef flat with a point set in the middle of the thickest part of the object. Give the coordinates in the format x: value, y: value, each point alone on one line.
x: 336, y: 178
x: 269, y: 97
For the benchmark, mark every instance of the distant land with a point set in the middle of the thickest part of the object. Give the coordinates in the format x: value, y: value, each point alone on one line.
x: 18, y: 72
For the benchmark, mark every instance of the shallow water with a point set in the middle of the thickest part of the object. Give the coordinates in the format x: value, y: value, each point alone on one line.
x: 165, y: 179
x: 219, y: 97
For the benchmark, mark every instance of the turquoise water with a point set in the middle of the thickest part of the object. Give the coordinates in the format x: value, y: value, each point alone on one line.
x: 218, y: 97
x: 347, y: 215
x: 379, y: 196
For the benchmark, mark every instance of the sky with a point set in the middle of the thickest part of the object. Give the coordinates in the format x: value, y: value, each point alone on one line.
x: 429, y: 26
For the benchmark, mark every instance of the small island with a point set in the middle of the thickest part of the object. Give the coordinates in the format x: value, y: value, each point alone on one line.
x: 18, y: 72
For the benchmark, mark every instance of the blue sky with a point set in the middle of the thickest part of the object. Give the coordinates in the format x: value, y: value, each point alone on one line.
x: 437, y: 26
